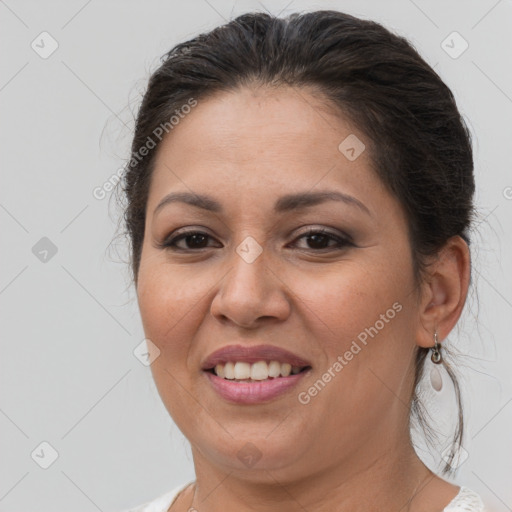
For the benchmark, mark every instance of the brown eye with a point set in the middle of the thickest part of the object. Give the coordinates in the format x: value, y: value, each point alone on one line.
x: 192, y: 240
x: 319, y: 239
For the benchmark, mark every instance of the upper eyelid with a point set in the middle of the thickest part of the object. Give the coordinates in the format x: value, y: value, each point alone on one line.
x: 331, y: 230
x: 308, y: 230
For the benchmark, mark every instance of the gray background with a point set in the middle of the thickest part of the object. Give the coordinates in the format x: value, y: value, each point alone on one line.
x: 69, y: 320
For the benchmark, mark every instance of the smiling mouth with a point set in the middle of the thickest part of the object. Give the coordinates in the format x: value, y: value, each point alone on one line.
x: 241, y: 371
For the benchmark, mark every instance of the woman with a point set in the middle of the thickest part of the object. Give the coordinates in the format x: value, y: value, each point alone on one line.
x: 299, y: 197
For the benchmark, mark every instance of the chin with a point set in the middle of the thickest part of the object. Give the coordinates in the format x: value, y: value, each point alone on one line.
x: 256, y: 457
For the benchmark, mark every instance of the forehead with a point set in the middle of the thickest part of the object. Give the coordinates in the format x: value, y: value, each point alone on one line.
x: 254, y: 138
x: 256, y: 119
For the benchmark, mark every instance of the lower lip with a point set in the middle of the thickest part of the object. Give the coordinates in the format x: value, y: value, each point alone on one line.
x: 253, y: 392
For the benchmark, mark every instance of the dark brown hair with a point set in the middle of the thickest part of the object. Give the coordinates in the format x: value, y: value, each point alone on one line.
x: 419, y: 144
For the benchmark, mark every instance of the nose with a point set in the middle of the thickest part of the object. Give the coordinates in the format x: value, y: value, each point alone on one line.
x: 251, y: 293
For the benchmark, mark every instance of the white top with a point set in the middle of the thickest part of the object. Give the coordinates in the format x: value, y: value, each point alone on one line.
x: 465, y: 501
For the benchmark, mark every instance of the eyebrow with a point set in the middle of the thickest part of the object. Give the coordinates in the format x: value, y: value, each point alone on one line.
x: 284, y: 204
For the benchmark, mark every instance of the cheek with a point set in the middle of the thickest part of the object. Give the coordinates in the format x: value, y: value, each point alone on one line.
x: 170, y: 306
x: 364, y: 314
x: 343, y: 300
x: 368, y: 313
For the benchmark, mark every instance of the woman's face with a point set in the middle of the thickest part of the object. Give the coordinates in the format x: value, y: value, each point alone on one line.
x: 346, y: 311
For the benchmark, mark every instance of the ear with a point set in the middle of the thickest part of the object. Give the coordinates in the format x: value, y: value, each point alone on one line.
x: 444, y: 292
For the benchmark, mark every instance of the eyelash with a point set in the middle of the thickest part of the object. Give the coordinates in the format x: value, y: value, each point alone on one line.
x: 341, y: 242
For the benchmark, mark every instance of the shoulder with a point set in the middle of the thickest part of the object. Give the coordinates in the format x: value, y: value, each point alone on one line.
x: 466, y: 501
x: 161, y: 503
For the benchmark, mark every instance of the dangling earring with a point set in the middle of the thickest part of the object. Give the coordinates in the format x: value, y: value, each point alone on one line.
x: 436, y: 379
x: 436, y: 356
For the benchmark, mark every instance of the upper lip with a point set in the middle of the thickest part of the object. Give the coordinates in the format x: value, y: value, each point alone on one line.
x: 252, y: 354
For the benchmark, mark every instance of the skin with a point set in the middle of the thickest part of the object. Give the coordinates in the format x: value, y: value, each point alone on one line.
x: 348, y: 448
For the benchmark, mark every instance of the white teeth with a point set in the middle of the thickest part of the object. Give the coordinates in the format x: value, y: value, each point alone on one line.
x: 219, y: 370
x: 229, y: 371
x: 241, y: 370
x: 286, y: 369
x: 259, y: 371
x: 274, y: 369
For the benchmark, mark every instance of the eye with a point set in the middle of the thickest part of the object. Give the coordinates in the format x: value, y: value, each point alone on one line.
x: 193, y: 240
x: 320, y: 238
